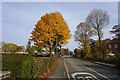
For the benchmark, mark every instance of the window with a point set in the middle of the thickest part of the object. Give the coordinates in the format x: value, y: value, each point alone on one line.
x: 116, y: 46
x: 110, y: 52
x: 110, y: 46
x: 118, y: 32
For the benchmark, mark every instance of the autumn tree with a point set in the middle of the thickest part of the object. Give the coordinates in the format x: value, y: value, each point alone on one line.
x: 66, y: 51
x: 9, y: 47
x: 104, y: 49
x: 50, y: 31
x: 82, y: 36
x: 76, y: 51
x: 20, y: 48
x: 97, y: 20
x: 30, y: 49
x: 116, y: 30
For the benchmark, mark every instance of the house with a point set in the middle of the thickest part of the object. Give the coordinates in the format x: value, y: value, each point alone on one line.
x: 113, y: 46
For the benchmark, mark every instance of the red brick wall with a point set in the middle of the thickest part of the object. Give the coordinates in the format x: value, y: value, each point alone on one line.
x: 113, y: 49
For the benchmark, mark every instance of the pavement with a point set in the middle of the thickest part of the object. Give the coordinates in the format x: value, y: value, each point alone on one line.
x: 71, y: 68
x: 59, y: 73
x: 106, y: 64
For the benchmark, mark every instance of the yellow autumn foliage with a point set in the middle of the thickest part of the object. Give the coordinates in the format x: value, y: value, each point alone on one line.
x: 49, y: 28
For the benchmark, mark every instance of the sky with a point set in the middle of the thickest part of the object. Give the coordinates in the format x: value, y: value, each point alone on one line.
x: 19, y: 18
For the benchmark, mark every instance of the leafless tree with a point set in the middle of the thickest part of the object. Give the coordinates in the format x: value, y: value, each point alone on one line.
x: 82, y: 33
x: 97, y: 20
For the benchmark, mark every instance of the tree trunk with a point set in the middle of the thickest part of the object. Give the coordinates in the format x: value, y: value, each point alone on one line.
x: 51, y: 49
x: 50, y: 52
x: 60, y: 50
x: 100, y: 51
x: 56, y: 47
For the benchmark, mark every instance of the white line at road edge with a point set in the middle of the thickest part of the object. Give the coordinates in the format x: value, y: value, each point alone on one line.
x: 98, y: 73
x: 73, y: 75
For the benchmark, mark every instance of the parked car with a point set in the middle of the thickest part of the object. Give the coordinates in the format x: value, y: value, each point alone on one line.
x: 42, y: 55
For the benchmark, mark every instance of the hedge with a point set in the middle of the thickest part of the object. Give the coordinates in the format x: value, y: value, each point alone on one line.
x: 13, y: 63
x: 24, y: 66
x: 43, y: 65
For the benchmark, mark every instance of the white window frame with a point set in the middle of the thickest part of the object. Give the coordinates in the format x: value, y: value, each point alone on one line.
x: 110, y: 46
x: 116, y: 46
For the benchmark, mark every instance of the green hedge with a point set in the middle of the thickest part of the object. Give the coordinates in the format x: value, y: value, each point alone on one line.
x: 13, y: 63
x: 42, y: 66
x: 24, y: 66
x: 27, y: 68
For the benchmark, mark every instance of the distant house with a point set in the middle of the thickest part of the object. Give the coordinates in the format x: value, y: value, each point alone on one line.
x: 113, y: 46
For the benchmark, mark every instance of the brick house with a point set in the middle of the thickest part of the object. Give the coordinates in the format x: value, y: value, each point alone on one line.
x: 113, y: 46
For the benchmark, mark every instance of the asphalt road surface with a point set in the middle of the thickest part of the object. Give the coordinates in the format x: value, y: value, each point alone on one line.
x: 71, y: 68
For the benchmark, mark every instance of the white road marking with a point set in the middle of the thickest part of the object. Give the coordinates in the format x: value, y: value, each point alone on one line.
x: 89, y: 78
x: 73, y: 75
x: 81, y: 78
x: 98, y: 73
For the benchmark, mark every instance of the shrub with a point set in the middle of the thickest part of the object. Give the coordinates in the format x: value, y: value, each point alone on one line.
x: 13, y: 63
x: 23, y: 66
x: 27, y: 68
x: 42, y: 66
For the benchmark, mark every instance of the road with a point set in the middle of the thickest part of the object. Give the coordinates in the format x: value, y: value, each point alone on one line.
x: 71, y: 68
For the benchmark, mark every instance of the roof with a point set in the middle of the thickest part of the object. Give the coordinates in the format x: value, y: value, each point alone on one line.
x: 112, y: 41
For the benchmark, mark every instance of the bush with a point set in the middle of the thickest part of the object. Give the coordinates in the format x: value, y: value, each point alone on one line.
x: 13, y: 63
x: 24, y: 66
x: 27, y: 68
x: 42, y: 66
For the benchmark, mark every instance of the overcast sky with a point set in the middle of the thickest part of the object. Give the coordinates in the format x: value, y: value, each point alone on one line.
x: 19, y: 18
